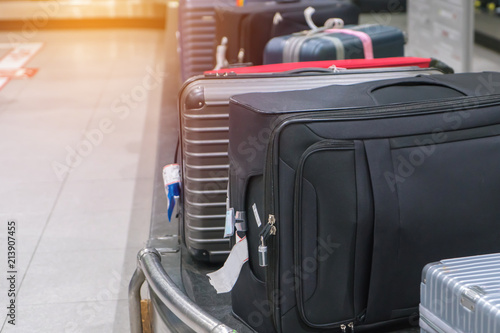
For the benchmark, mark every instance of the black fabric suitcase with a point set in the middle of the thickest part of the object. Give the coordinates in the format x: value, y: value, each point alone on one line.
x: 204, y: 113
x: 249, y: 28
x: 384, y: 42
x: 361, y: 186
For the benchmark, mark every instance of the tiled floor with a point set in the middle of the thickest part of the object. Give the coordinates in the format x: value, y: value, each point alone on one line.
x: 79, y: 231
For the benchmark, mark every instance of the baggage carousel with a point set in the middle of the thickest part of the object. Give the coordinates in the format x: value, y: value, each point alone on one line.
x: 181, y: 298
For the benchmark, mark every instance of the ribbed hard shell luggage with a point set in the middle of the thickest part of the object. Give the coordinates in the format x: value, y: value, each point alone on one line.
x: 203, y: 105
x: 461, y: 295
x: 365, y: 41
x: 197, y: 34
x: 358, y: 187
x: 249, y: 28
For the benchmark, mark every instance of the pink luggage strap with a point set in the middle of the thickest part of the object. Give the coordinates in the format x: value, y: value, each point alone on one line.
x: 363, y: 36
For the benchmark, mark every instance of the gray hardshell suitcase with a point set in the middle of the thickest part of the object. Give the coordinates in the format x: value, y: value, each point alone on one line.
x: 204, y: 114
x: 196, y: 35
x: 461, y: 295
x: 336, y: 44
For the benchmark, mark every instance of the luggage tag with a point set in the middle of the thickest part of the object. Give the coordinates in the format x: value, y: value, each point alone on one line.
x: 230, y: 218
x: 230, y: 223
x: 224, y: 279
x: 172, y: 182
x: 256, y: 215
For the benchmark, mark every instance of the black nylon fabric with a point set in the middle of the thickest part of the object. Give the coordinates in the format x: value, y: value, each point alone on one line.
x: 426, y: 187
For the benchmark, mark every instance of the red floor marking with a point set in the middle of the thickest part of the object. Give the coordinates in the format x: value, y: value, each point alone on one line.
x: 11, y: 64
x: 20, y: 55
x: 20, y: 73
x: 3, y: 82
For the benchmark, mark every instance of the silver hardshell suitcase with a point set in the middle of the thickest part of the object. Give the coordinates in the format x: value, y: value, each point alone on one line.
x: 461, y: 295
x: 204, y: 131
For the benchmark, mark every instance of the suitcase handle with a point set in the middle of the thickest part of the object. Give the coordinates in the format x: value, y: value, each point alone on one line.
x: 424, y: 81
x: 328, y: 70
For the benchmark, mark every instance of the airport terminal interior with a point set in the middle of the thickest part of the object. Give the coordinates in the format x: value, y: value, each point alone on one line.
x: 83, y: 87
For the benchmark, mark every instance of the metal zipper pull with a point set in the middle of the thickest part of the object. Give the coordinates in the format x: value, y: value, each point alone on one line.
x: 272, y: 221
x: 343, y: 328
x: 269, y: 230
x: 351, y: 326
x: 262, y: 253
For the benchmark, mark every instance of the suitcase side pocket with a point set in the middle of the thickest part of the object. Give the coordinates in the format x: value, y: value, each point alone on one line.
x: 435, y: 197
x: 325, y: 228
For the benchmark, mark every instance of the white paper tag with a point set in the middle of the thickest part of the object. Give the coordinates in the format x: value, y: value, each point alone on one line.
x: 229, y: 227
x: 256, y: 214
x: 171, y: 174
x: 224, y: 279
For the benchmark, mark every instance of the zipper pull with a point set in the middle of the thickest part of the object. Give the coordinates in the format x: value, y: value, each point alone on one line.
x: 351, y: 326
x: 343, y: 328
x: 272, y: 221
x: 262, y: 253
x: 269, y: 230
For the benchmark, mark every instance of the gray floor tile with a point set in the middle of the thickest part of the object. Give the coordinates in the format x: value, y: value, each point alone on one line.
x: 86, y: 317
x: 85, y: 196
x: 76, y: 276
x: 88, y: 231
x: 81, y: 255
x: 32, y: 197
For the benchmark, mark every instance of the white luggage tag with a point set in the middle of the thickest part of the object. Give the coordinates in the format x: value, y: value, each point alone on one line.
x: 230, y: 222
x: 224, y: 279
x: 230, y: 218
x: 256, y: 215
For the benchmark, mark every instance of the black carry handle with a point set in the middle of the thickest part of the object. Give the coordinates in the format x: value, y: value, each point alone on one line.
x: 413, y: 90
x: 441, y: 66
x: 308, y: 70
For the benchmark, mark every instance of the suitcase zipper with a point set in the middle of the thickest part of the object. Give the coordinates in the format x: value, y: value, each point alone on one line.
x: 370, y: 112
x: 268, y: 230
x: 344, y: 327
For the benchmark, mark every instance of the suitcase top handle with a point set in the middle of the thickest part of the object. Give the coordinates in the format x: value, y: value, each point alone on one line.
x: 329, y: 70
x: 331, y: 23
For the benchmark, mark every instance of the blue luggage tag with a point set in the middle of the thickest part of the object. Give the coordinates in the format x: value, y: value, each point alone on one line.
x: 172, y: 181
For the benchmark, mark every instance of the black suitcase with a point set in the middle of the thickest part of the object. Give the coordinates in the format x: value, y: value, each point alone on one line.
x: 361, y: 186
x: 249, y: 28
x: 203, y: 114
x: 381, y: 6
